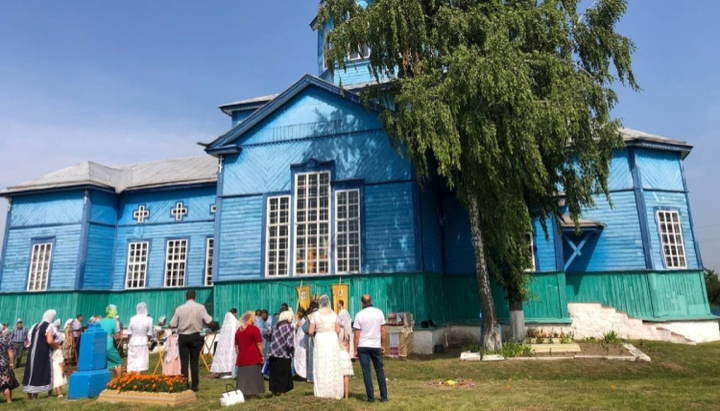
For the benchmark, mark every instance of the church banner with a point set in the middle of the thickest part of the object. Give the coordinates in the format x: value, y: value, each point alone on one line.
x: 339, y: 292
x: 303, y: 293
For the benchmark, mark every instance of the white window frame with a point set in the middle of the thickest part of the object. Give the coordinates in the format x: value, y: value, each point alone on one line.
x: 531, y: 236
x: 362, y: 54
x: 678, y: 258
x: 39, y: 271
x: 180, y: 274
x: 209, y: 251
x: 347, y: 220
x: 268, y: 225
x: 318, y: 222
x: 140, y: 275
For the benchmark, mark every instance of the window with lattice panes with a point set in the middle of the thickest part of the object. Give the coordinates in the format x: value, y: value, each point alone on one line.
x: 277, y: 237
x: 39, y: 270
x: 312, y: 223
x: 137, y: 265
x: 347, y: 231
x: 175, y: 263
x: 209, y: 249
x: 530, y: 242
x: 671, y: 239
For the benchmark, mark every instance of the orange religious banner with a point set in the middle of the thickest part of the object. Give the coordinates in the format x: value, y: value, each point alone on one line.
x: 303, y: 293
x: 339, y: 292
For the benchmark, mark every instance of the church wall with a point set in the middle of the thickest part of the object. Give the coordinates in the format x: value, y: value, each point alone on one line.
x: 312, y: 113
x: 161, y: 203
x: 240, y: 238
x: 432, y: 241
x: 662, y: 200
x: 459, y: 253
x: 65, y: 207
x: 619, y: 245
x: 104, y: 207
x: 99, y: 258
x: 157, y: 236
x: 64, y: 258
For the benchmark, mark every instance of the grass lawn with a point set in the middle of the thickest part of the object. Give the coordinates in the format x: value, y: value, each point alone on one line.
x: 680, y: 377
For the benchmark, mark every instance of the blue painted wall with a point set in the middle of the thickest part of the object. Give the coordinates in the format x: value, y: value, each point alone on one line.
x: 620, y: 177
x: 99, y: 259
x: 52, y: 208
x: 313, y: 112
x: 241, y: 228
x: 157, y: 235
x: 660, y: 169
x: 669, y: 201
x: 104, y: 207
x: 64, y: 260
x: 432, y: 241
x: 160, y: 203
x: 619, y: 245
x: 240, y: 116
x: 459, y: 253
x: 389, y: 228
x: 196, y: 226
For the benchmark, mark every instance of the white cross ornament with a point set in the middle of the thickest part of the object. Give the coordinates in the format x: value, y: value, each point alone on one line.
x: 141, y: 214
x: 179, y: 211
x: 213, y: 209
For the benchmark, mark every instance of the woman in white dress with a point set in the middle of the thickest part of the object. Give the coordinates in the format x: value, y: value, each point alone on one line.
x: 223, y: 364
x: 327, y: 368
x: 141, y: 329
x: 346, y: 343
x: 301, y: 341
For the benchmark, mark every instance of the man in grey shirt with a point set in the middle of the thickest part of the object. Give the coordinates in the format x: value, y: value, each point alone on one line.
x: 189, y: 320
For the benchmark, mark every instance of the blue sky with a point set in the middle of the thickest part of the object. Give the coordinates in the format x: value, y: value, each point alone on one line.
x: 121, y: 83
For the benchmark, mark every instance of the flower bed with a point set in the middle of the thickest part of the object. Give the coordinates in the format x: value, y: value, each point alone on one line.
x: 148, y: 389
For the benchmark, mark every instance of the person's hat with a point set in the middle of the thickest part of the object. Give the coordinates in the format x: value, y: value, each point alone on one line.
x: 19, y: 320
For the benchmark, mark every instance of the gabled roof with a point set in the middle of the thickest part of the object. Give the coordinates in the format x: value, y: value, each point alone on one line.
x: 174, y: 172
x: 223, y: 143
x: 249, y: 104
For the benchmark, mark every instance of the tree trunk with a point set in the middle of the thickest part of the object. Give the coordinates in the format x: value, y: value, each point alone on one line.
x: 517, y: 321
x: 491, y: 334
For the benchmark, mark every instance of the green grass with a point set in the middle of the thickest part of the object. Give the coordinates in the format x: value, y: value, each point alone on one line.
x: 680, y: 377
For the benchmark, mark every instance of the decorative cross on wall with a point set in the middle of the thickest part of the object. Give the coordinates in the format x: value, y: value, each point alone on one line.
x: 213, y: 209
x: 141, y: 214
x: 179, y: 211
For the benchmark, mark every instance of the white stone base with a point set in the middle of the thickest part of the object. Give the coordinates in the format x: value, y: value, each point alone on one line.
x: 422, y: 341
x: 592, y: 320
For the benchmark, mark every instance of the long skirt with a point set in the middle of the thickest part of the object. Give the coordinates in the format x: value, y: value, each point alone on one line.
x: 138, y: 358
x: 250, y: 380
x: 112, y: 355
x: 280, y: 375
x: 58, y: 377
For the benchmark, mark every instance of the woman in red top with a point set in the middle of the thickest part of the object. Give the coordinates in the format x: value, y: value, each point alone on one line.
x: 250, y: 357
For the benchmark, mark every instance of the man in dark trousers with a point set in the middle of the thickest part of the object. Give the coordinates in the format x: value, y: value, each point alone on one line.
x: 19, y: 341
x: 189, y: 320
x: 370, y: 338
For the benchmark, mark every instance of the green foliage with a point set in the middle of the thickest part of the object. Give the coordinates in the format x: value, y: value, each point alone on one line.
x: 473, y: 347
x: 568, y: 338
x: 712, y: 284
x: 610, y: 338
x: 508, y: 100
x: 512, y: 349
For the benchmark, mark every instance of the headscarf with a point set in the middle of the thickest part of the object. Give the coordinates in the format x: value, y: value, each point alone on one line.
x: 324, y: 303
x: 247, y: 319
x: 162, y: 320
x: 111, y: 311
x: 57, y: 323
x: 49, y: 316
x: 67, y: 324
x: 286, y: 316
x: 141, y: 310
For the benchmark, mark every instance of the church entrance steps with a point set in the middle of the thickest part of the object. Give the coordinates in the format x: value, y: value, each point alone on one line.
x: 593, y: 320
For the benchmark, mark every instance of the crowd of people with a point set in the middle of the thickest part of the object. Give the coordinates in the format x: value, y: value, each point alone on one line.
x: 316, y: 345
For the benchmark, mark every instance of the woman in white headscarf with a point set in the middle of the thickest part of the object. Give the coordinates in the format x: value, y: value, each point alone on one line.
x: 327, y: 368
x: 223, y: 363
x: 38, y: 368
x: 141, y: 329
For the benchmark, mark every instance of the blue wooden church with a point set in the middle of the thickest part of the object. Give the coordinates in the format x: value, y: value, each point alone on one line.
x: 305, y: 187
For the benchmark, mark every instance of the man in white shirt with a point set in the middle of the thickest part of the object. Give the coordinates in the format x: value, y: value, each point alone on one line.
x: 370, y: 337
